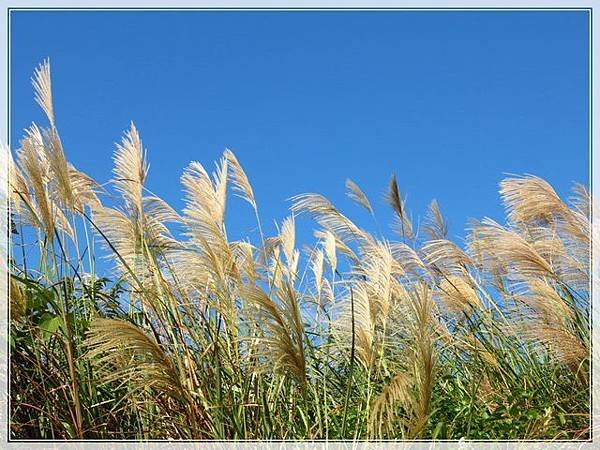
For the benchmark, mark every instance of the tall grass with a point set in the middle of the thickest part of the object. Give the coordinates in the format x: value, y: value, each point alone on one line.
x: 191, y: 335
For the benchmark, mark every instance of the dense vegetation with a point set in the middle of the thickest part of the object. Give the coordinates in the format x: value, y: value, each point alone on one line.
x: 194, y: 336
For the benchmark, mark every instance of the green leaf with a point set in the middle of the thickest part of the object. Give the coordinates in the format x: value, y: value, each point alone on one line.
x: 49, y: 324
x: 437, y: 430
x: 69, y: 429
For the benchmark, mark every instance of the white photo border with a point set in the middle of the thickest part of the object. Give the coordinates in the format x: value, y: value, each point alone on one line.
x: 8, y: 6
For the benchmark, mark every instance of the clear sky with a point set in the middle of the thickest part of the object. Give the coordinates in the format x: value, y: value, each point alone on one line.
x: 449, y: 101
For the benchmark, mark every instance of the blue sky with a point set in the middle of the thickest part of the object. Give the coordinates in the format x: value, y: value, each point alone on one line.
x: 449, y: 101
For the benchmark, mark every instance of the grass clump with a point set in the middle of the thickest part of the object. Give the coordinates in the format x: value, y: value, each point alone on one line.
x: 195, y: 336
